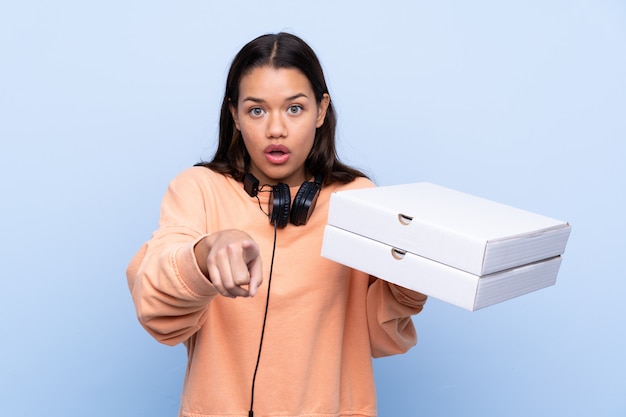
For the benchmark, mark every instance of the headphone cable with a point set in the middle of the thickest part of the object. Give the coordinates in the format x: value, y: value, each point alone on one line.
x: 267, y: 303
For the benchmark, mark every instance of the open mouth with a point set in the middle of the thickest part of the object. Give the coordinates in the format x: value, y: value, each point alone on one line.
x: 277, y: 154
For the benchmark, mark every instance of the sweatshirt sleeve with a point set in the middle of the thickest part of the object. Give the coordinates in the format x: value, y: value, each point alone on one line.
x: 389, y: 311
x: 169, y: 291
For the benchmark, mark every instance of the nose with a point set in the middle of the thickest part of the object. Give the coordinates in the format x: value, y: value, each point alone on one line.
x: 276, y: 127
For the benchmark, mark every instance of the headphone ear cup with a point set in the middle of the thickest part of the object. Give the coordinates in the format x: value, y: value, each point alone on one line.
x: 304, y: 203
x: 280, y: 200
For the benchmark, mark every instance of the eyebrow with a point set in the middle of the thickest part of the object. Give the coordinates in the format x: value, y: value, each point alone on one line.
x: 260, y: 100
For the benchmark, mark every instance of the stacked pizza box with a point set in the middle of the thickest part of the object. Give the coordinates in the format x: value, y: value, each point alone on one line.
x: 453, y: 246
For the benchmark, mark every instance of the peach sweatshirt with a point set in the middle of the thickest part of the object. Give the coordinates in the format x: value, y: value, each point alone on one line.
x: 325, y: 321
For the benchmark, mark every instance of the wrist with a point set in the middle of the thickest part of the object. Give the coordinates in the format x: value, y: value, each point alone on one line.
x: 201, y: 253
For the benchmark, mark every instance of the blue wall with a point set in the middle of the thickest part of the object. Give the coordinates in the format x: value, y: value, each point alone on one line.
x: 102, y: 103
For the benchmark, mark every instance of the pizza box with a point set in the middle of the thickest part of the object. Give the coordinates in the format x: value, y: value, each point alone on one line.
x: 435, y: 279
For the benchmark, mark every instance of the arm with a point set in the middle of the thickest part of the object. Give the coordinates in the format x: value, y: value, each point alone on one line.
x: 169, y: 276
x: 170, y: 300
x: 389, y: 311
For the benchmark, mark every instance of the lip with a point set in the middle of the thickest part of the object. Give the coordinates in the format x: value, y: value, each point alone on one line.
x: 277, y: 154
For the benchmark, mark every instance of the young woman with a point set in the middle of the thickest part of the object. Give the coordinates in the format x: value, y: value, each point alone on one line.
x: 271, y: 327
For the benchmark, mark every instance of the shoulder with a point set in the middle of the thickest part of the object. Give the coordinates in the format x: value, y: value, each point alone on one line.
x: 202, y: 181
x: 201, y: 176
x: 359, y: 182
x: 198, y: 173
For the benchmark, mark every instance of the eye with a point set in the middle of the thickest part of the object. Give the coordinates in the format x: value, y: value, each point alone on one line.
x: 256, y: 112
x: 294, y: 109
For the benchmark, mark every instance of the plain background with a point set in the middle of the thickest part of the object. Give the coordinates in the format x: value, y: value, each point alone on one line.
x: 522, y: 102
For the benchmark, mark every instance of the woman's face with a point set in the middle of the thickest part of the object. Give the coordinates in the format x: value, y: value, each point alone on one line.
x: 277, y: 115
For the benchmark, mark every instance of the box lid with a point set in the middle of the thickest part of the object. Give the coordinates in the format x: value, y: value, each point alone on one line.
x: 448, y: 226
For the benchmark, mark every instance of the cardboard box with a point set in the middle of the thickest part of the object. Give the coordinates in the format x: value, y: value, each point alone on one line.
x: 459, y: 248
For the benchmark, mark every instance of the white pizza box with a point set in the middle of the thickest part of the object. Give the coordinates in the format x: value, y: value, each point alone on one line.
x: 450, y: 227
x: 452, y: 285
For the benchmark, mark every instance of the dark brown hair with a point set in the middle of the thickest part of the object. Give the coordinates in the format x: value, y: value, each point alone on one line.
x: 281, y: 50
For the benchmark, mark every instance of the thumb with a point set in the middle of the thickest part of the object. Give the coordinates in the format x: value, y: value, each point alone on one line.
x: 250, y: 251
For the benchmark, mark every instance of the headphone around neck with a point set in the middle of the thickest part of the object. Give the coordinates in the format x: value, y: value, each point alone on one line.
x: 279, y: 203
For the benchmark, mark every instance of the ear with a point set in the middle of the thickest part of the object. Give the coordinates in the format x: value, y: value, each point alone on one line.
x: 233, y: 112
x: 321, y: 110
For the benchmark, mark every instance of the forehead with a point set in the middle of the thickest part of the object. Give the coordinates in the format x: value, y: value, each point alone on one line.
x: 268, y: 82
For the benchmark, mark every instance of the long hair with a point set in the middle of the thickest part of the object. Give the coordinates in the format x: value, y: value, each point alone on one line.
x: 281, y: 50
